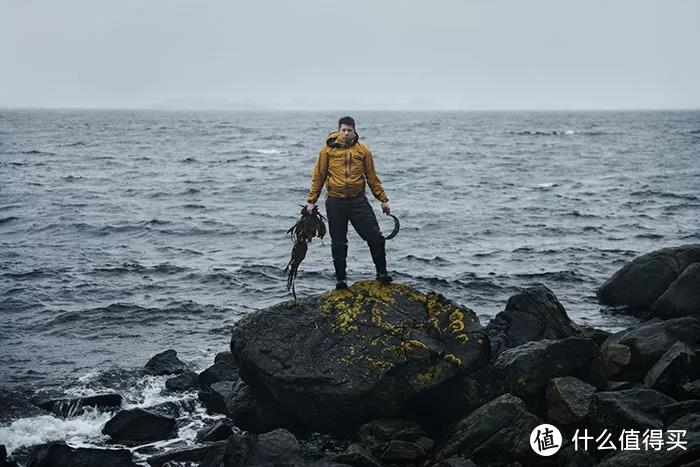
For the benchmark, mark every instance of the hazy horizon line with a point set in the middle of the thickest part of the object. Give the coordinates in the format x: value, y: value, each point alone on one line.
x: 389, y: 109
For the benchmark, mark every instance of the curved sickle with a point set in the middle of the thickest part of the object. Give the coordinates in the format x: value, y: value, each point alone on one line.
x: 397, y: 226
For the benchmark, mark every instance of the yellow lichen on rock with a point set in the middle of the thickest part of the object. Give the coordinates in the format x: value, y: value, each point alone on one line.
x: 426, y: 377
x: 462, y: 337
x: 450, y: 357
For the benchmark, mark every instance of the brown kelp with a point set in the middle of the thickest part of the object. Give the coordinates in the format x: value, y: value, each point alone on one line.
x: 308, y: 226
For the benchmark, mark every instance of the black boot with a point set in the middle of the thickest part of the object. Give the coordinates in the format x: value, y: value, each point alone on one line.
x: 384, y: 277
x: 340, y: 276
x: 379, y: 258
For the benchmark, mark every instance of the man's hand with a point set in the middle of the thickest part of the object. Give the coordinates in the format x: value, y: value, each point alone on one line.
x: 310, y: 208
x: 386, y: 208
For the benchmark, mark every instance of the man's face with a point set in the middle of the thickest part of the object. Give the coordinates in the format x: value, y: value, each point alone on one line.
x: 347, y: 131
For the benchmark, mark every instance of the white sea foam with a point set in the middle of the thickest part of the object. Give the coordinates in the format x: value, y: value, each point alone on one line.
x: 268, y: 151
x: 85, y: 428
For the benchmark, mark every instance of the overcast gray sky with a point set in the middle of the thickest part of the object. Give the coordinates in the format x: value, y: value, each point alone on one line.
x: 451, y: 54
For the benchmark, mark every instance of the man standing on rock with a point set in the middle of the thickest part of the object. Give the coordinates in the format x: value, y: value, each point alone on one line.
x: 345, y: 165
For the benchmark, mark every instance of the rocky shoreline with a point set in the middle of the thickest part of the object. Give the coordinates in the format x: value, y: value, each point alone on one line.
x: 388, y: 376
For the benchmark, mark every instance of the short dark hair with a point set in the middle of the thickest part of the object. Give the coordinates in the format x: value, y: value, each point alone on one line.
x: 347, y: 121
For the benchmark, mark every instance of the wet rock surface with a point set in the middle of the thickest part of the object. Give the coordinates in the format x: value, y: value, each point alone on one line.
x: 59, y: 454
x: 342, y: 358
x: 639, y: 284
x: 139, y: 425
x: 165, y: 363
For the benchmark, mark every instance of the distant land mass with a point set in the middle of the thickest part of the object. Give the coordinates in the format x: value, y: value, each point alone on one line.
x: 199, y: 103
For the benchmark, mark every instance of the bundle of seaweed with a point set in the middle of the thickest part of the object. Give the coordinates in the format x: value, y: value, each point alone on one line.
x: 308, y: 226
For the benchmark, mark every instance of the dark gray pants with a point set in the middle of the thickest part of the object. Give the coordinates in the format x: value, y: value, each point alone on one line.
x: 360, y: 214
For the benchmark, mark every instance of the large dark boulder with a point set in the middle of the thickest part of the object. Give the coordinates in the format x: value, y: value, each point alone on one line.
x: 679, y: 365
x: 530, y: 315
x: 190, y: 454
x: 337, y: 360
x: 219, y: 371
x: 640, y: 283
x: 253, y: 410
x: 394, y: 440
x: 59, y: 454
x: 277, y: 447
x: 528, y: 367
x: 218, y: 431
x: 137, y: 425
x: 165, y: 363
x: 495, y: 433
x: 185, y: 381
x: 646, y: 343
x: 637, y: 409
x: 69, y: 407
x: 568, y: 401
x: 682, y: 298
x: 215, y: 396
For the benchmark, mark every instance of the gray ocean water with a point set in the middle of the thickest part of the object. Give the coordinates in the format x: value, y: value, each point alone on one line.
x: 124, y: 233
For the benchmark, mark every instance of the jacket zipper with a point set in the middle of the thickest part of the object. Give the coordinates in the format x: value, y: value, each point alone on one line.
x: 347, y: 173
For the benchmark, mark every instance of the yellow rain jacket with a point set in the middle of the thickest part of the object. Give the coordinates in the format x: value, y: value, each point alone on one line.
x: 345, y: 169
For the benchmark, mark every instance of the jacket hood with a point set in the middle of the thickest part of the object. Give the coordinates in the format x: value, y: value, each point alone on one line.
x: 332, y: 140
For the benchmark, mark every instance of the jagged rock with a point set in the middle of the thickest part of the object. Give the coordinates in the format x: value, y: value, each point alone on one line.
x: 394, y: 440
x: 165, y: 363
x: 475, y: 390
x: 319, y: 447
x: 682, y: 298
x: 402, y: 451
x: 69, y: 407
x: 677, y: 366
x: 215, y: 396
x: 356, y: 455
x: 135, y: 425
x: 528, y: 367
x: 185, y: 381
x: 690, y: 390
x: 648, y: 342
x: 193, y: 454
x: 218, y: 372
x: 672, y: 412
x: 568, y: 400
x: 640, y: 283
x: 530, y: 315
x: 495, y: 433
x: 664, y: 457
x: 59, y: 454
x: 627, y: 409
x: 226, y: 357
x: 615, y: 357
x: 598, y: 335
x: 275, y: 447
x: 593, y: 373
x: 254, y: 411
x: 620, y: 385
x: 174, y: 408
x: 220, y: 430
x: 337, y: 360
x: 455, y: 461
